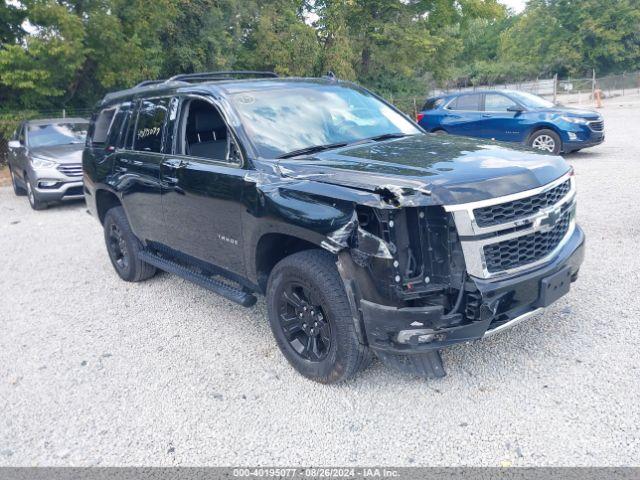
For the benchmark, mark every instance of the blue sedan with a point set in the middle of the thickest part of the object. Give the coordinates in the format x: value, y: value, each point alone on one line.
x: 513, y: 116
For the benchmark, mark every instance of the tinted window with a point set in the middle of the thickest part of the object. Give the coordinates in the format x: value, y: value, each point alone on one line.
x: 494, y: 102
x: 119, y: 125
x: 56, y: 134
x: 102, y: 124
x: 433, y: 103
x: 148, y: 133
x: 129, y: 127
x: 466, y: 102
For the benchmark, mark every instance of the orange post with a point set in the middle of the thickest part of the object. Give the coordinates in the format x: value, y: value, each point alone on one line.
x: 597, y: 96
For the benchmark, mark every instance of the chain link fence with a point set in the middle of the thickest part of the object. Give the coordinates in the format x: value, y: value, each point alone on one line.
x: 569, y: 91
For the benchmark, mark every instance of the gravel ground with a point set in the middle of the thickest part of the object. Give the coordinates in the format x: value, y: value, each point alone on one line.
x: 96, y: 371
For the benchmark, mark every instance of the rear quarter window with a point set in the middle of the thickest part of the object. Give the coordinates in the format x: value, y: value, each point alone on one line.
x: 433, y: 103
x: 100, y: 131
x: 119, y: 125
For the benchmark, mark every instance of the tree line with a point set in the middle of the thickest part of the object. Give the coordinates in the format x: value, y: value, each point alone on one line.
x: 68, y: 53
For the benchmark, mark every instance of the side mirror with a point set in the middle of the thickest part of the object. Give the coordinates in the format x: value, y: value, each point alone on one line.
x: 14, y: 144
x: 515, y: 108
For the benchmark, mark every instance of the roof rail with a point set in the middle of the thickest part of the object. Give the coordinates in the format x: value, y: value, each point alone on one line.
x: 221, y: 75
x: 149, y: 82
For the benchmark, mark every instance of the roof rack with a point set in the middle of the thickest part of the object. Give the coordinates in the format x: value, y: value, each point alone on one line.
x: 193, y: 77
x: 146, y: 83
x: 221, y: 75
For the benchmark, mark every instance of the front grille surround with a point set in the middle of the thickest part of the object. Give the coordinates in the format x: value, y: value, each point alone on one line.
x: 71, y: 169
x: 528, y: 230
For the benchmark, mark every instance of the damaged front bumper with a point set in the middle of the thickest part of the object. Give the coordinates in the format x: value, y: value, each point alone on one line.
x: 488, y: 307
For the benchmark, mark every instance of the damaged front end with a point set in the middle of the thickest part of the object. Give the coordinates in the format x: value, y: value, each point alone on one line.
x: 405, y: 276
x: 404, y: 270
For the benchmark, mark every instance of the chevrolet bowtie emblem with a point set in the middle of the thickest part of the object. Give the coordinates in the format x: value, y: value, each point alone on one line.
x: 551, y: 219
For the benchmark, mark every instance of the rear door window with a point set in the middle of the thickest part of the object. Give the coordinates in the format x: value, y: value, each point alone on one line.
x: 150, y: 125
x: 466, y: 102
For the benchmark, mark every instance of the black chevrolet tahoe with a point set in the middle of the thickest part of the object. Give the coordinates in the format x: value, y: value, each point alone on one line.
x: 366, y: 234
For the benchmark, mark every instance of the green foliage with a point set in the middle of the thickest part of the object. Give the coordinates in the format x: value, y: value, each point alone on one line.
x: 11, y: 18
x: 68, y: 53
x: 571, y: 37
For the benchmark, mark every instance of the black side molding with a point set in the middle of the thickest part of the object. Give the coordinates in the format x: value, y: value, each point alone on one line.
x: 227, y: 291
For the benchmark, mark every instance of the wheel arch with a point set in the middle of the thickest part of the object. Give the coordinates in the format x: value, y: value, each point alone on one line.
x: 105, y: 200
x: 273, y: 247
x: 543, y: 126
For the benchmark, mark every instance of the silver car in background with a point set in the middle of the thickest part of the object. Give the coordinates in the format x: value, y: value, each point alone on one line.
x: 45, y: 160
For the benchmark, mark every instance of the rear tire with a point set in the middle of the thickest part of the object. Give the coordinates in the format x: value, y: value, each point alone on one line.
x: 311, y: 318
x: 547, y: 141
x: 19, y: 191
x: 123, y: 247
x: 32, y: 195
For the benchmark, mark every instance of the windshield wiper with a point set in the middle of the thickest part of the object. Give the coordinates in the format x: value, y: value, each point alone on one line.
x: 329, y: 146
x: 387, y: 136
x: 313, y: 149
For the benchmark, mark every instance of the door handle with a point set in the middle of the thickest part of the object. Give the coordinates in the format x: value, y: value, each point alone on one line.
x: 172, y: 183
x: 176, y: 163
x: 486, y: 115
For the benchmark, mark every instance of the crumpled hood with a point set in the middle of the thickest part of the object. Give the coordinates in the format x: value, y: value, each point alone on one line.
x: 71, y: 153
x: 444, y: 170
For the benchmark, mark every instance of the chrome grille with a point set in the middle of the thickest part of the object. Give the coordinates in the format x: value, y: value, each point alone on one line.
x: 596, y: 125
x: 71, y: 169
x: 509, y: 234
x: 509, y: 211
x: 520, y: 251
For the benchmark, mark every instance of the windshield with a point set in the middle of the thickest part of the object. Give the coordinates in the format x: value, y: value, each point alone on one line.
x: 57, y: 134
x: 530, y: 100
x: 285, y: 120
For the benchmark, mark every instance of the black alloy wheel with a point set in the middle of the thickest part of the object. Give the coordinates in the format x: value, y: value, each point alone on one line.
x: 311, y: 318
x: 124, y: 247
x: 303, y: 322
x: 118, y: 248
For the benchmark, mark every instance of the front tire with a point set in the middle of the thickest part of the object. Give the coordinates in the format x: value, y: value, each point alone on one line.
x: 547, y: 141
x: 311, y: 318
x: 123, y: 247
x: 19, y: 191
x: 35, y: 202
